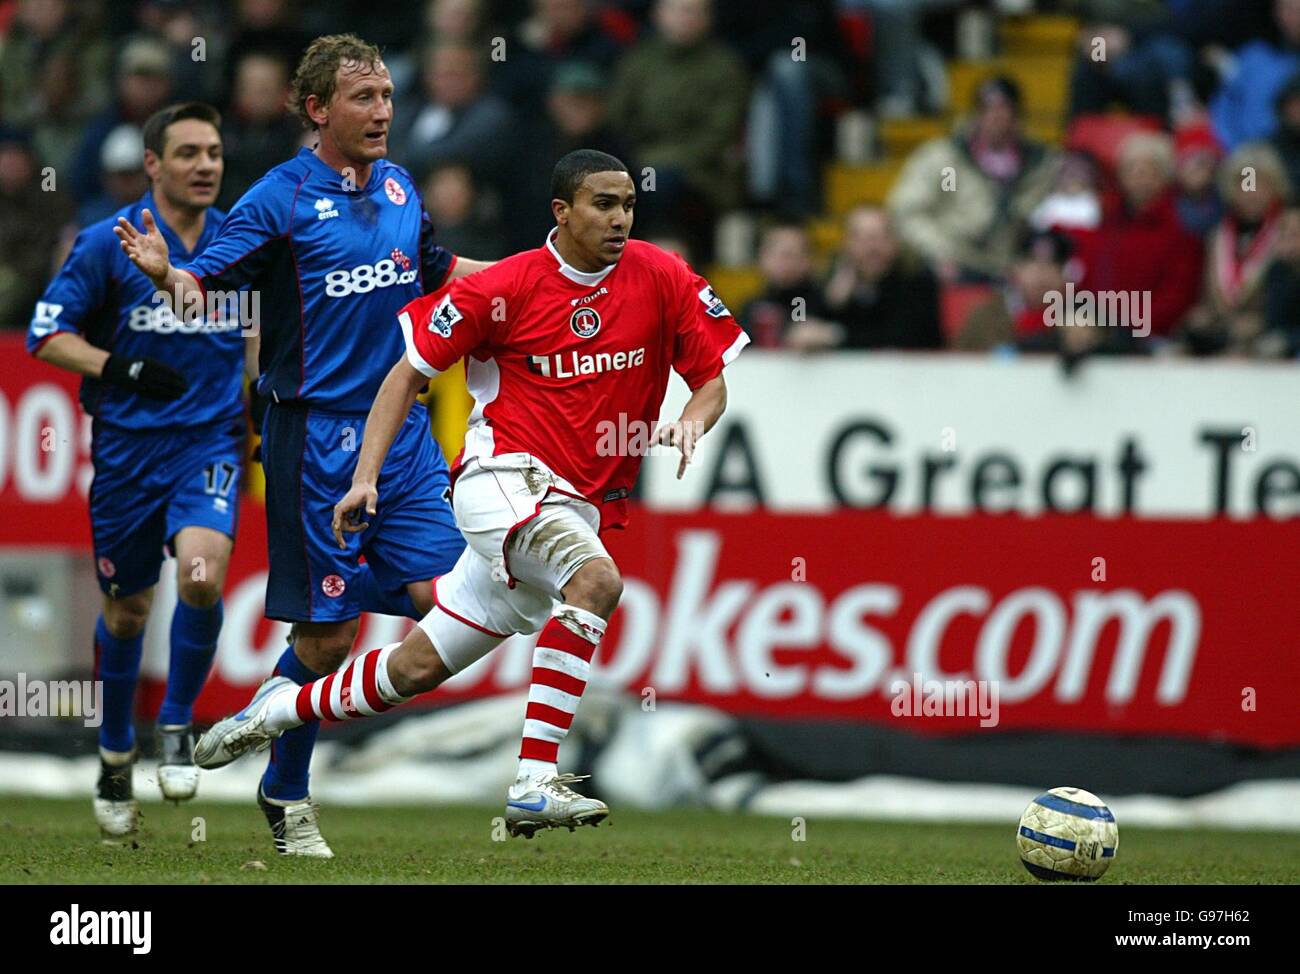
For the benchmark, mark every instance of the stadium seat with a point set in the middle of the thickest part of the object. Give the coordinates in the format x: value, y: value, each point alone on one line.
x: 1101, y: 135
x: 956, y: 302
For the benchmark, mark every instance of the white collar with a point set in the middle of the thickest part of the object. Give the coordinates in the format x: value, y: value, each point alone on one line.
x: 585, y: 278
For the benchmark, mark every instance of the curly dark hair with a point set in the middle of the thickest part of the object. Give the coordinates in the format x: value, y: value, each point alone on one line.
x: 317, y: 72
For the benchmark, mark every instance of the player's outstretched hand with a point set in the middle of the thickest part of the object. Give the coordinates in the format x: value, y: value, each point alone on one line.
x: 681, y: 434
x: 147, y: 250
x: 347, y: 512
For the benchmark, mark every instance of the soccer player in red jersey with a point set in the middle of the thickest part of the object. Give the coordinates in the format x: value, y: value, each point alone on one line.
x: 562, y: 345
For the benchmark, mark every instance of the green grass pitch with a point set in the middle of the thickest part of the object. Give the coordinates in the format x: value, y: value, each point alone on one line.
x: 56, y: 841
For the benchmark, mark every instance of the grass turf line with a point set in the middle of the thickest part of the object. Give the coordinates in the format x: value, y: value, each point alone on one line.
x: 56, y: 841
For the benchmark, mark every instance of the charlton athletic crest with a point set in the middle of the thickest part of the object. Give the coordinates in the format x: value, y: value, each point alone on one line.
x: 333, y: 586
x: 394, y: 191
x: 585, y: 322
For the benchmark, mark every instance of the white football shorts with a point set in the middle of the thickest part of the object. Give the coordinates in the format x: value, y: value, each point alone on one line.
x: 528, y: 532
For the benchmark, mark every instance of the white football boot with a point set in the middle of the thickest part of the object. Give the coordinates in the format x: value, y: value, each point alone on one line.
x: 244, y: 731
x: 116, y: 810
x: 547, y: 802
x: 178, y: 776
x: 295, y: 827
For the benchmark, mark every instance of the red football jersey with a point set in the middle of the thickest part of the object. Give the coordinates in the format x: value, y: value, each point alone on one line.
x: 567, y: 365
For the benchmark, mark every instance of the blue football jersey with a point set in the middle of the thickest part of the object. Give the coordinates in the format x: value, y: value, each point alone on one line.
x: 333, y: 266
x: 100, y: 295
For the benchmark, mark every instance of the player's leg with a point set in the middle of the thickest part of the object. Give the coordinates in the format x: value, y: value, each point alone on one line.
x: 559, y: 551
x: 202, y: 561
x: 202, y: 518
x: 455, y: 634
x: 127, y: 515
x: 312, y: 583
x: 119, y: 643
x: 413, y: 538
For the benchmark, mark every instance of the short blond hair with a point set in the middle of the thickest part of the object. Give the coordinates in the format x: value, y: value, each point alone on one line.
x: 1156, y: 146
x: 317, y: 72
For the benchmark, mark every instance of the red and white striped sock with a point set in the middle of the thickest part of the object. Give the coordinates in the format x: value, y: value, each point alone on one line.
x: 360, y: 689
x: 561, y: 665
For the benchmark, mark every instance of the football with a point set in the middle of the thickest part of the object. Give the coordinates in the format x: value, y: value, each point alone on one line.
x: 1067, y: 834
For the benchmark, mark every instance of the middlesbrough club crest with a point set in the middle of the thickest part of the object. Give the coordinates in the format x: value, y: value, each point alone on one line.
x: 333, y: 586
x: 394, y: 191
x: 107, y: 568
x: 585, y: 322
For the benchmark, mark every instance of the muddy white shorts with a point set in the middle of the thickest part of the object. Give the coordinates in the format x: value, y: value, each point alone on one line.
x: 528, y: 532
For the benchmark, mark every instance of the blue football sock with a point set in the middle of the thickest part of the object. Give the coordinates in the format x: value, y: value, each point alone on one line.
x: 119, y: 668
x: 194, y: 644
x: 286, y: 774
x: 373, y: 599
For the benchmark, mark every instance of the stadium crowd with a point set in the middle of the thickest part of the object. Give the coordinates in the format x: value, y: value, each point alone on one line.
x: 1185, y: 197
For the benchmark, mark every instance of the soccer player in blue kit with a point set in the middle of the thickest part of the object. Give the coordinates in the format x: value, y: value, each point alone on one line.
x: 168, y: 445
x: 336, y: 241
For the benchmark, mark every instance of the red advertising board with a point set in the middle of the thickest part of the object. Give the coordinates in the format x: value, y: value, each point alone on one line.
x: 1180, y: 628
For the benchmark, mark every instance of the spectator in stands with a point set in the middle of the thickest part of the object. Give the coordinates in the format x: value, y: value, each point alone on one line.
x: 1196, y: 160
x: 1016, y: 315
x: 1075, y: 200
x: 576, y: 118
x: 679, y: 100
x: 558, y: 31
x: 457, y: 120
x: 791, y: 296
x: 122, y: 178
x: 197, y: 41
x: 259, y: 132
x: 882, y: 295
x: 461, y: 217
x: 961, y: 201
x: 61, y: 121
x: 792, y: 78
x: 1129, y: 54
x: 897, y: 46
x: 1281, y: 335
x: 273, y: 27
x: 41, y: 31
x: 30, y: 220
x: 1286, y: 140
x: 455, y: 20
x: 1142, y: 247
x: 1245, y: 108
x: 1230, y: 315
x: 143, y: 87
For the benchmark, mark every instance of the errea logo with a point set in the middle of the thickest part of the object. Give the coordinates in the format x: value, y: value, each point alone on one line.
x: 325, y: 208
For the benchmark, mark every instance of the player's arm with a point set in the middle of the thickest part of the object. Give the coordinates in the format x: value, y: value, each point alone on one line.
x: 439, y: 330
x: 242, y: 250
x: 148, y: 251
x: 707, y: 340
x: 79, y: 290
x: 700, y: 414
x: 440, y: 266
x: 463, y: 267
x: 389, y: 411
x: 146, y: 377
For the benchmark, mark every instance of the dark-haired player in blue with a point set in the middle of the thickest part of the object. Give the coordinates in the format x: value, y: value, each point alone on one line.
x: 167, y: 446
x: 336, y: 241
